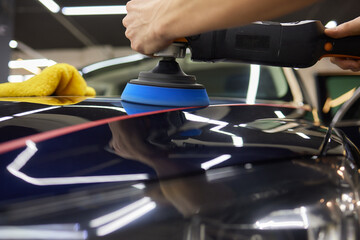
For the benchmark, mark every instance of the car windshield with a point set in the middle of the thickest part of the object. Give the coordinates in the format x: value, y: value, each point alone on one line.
x: 222, y: 80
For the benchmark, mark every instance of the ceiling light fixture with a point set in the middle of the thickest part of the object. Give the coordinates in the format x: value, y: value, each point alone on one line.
x: 31, y: 63
x: 51, y: 5
x: 94, y: 10
x: 13, y: 44
x: 19, y: 78
x: 331, y: 24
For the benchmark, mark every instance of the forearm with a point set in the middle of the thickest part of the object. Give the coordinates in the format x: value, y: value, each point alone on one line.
x: 151, y: 25
x: 192, y: 17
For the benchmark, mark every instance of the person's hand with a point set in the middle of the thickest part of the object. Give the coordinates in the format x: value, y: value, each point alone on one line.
x: 143, y: 25
x: 351, y: 28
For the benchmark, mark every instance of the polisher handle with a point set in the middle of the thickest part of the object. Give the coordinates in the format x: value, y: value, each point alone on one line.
x: 348, y: 47
x: 299, y: 44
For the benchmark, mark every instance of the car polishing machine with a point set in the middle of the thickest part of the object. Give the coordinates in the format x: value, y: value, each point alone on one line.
x: 297, y: 44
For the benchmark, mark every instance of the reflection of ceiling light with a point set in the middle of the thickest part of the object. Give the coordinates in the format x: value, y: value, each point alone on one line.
x: 215, y: 161
x: 51, y: 5
x: 237, y: 141
x: 139, y: 186
x: 285, y: 219
x: 125, y: 219
x: 94, y: 106
x: 6, y: 118
x: 25, y: 156
x: 282, y: 128
x: 331, y: 24
x: 279, y: 114
x: 61, y: 231
x: 35, y: 111
x: 94, y: 10
x: 303, y: 135
x: 119, y: 213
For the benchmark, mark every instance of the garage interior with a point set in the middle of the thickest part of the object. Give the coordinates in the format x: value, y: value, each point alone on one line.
x: 77, y: 167
x: 31, y: 31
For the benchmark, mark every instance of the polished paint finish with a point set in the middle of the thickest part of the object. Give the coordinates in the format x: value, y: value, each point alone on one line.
x: 223, y: 172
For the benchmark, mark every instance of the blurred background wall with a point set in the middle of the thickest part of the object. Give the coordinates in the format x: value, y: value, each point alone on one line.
x: 6, y: 34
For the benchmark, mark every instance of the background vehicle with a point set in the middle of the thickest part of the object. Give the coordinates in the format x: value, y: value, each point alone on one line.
x: 332, y: 97
x: 222, y: 79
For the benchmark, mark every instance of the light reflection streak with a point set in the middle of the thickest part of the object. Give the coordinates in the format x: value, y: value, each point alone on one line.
x: 51, y: 5
x: 111, y: 62
x: 20, y: 161
x: 54, y: 231
x: 279, y: 114
x: 303, y: 135
x: 5, y: 118
x: 220, y: 173
x: 215, y: 161
x: 27, y: 113
x: 304, y: 216
x: 284, y: 219
x: 119, y: 213
x: 237, y: 141
x: 139, y: 186
x: 253, y: 84
x: 102, y: 107
x: 125, y: 220
x: 280, y: 225
x: 282, y: 128
x: 35, y: 111
x: 94, y: 10
x: 80, y: 180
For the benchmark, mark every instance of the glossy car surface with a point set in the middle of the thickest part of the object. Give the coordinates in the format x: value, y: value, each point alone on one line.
x: 83, y: 168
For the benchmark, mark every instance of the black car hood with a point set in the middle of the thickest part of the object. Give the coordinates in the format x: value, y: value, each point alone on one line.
x: 83, y: 170
x: 95, y: 141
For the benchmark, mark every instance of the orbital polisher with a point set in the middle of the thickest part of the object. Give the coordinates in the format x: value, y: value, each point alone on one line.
x: 297, y: 44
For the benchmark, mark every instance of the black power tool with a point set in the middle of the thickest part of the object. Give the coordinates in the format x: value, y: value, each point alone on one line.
x: 297, y: 44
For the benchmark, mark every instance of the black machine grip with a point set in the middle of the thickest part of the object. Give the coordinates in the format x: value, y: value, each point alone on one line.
x: 342, y: 47
x: 298, y: 44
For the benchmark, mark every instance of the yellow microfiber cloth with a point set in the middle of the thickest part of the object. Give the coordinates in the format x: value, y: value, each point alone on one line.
x: 60, y: 80
x: 46, y: 100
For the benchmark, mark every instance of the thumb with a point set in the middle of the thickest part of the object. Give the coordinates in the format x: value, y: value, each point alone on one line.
x: 350, y: 28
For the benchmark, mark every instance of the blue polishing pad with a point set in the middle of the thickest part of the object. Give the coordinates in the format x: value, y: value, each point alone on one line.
x: 135, y: 108
x: 164, y: 96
